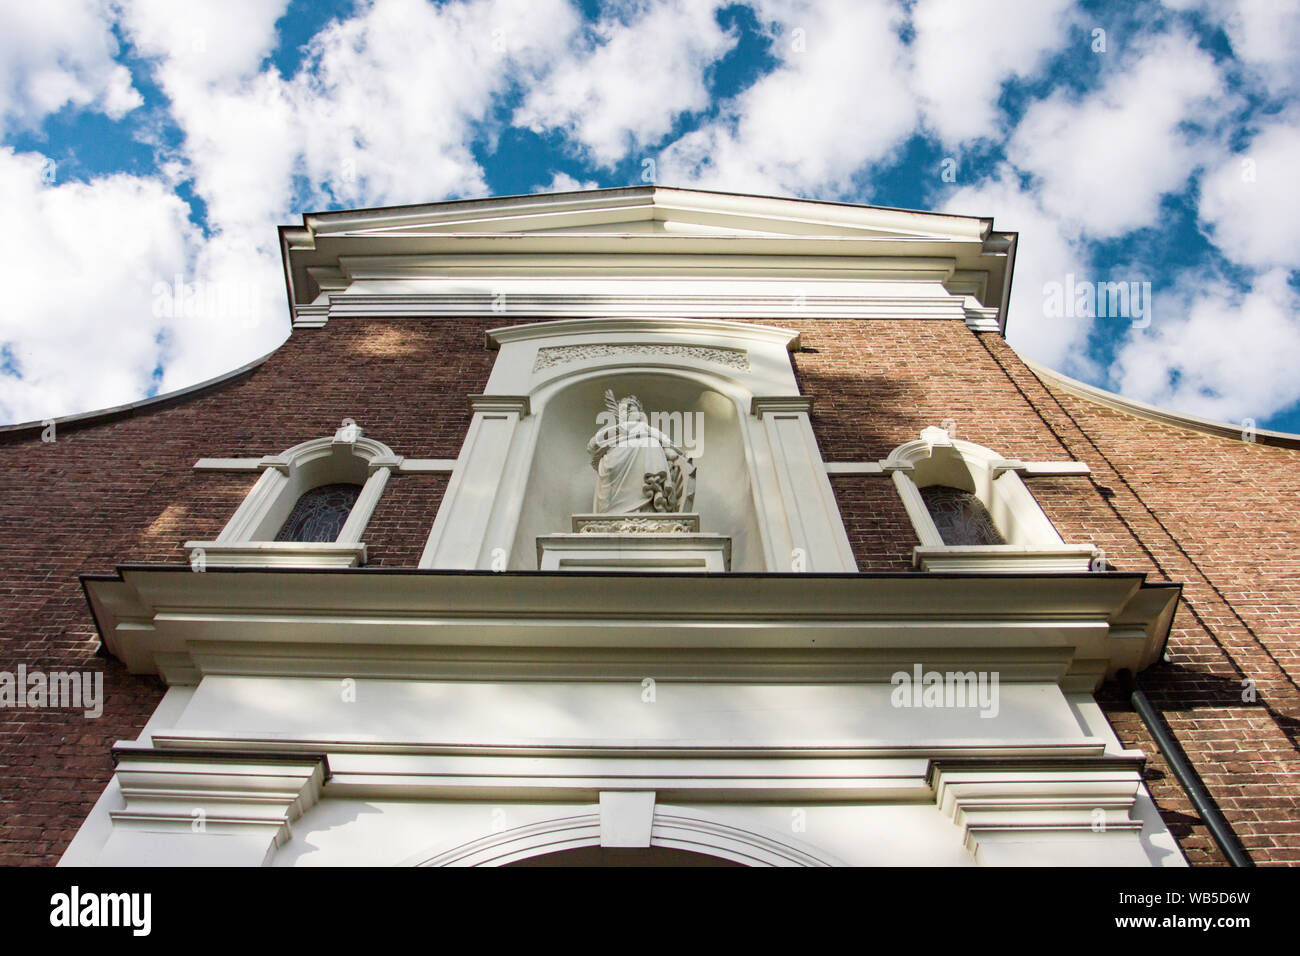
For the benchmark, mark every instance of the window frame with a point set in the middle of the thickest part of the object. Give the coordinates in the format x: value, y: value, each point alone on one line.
x: 1033, y: 543
x: 248, y: 538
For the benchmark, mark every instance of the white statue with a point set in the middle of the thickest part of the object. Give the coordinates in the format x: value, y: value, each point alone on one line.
x: 638, y: 467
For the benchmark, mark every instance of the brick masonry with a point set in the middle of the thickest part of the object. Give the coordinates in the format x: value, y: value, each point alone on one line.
x: 1220, y: 516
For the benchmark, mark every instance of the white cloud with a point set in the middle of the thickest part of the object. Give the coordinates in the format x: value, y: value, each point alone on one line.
x: 1264, y: 36
x: 81, y: 275
x: 205, y: 41
x: 57, y: 53
x: 1103, y: 163
x: 964, y: 50
x: 1217, y: 353
x: 384, y: 111
x: 1045, y: 252
x: 562, y: 182
x: 1251, y: 200
x: 837, y: 101
x: 629, y: 77
x: 393, y: 99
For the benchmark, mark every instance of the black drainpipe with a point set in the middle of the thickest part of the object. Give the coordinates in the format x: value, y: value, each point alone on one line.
x: 1182, y: 767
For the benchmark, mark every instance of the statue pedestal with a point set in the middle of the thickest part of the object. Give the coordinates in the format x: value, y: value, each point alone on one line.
x: 644, y: 541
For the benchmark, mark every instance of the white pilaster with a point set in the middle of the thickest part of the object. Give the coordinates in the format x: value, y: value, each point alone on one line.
x: 812, y: 522
x: 471, y: 520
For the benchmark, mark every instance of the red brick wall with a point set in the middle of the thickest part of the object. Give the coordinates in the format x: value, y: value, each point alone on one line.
x: 1218, y: 515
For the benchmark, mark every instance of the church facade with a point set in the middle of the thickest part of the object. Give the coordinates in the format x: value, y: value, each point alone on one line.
x: 651, y: 526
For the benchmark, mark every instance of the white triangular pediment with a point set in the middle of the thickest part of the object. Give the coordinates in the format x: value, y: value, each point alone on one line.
x: 651, y: 211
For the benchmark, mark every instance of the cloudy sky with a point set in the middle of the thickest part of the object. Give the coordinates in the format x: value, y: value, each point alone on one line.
x: 153, y: 145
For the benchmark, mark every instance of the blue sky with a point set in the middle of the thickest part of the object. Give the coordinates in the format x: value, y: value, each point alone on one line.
x: 151, y: 147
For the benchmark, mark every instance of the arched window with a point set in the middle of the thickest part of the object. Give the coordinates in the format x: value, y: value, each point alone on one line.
x: 960, y: 516
x: 309, y: 508
x: 971, y: 511
x: 320, y: 513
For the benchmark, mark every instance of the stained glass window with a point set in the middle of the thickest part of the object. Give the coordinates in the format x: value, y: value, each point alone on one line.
x: 960, y: 516
x: 320, y: 513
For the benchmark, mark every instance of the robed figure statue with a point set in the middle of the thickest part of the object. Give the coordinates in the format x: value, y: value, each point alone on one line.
x: 638, y: 467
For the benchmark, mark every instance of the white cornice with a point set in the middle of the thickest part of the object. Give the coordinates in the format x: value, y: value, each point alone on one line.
x: 1074, y: 629
x: 622, y: 234
x: 598, y: 305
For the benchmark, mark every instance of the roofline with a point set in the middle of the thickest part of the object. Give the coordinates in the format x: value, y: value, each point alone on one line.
x: 96, y: 416
x: 1164, y: 416
x: 647, y: 188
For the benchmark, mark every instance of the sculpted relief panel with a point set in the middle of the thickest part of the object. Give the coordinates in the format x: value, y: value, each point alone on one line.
x: 552, y: 356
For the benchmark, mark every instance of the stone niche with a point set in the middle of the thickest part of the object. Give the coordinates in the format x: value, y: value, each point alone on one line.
x: 559, y: 527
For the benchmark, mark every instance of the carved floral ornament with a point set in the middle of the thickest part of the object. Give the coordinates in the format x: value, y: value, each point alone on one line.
x: 668, y: 524
x: 551, y: 356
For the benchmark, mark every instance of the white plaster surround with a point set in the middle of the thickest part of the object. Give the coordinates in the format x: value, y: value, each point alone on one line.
x: 1032, y: 542
x: 247, y: 540
x: 776, y: 502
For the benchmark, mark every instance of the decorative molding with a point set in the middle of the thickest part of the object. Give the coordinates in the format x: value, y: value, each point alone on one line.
x: 398, y: 463
x: 311, y: 315
x: 674, y: 326
x: 1058, y: 628
x: 517, y: 404
x: 1092, y: 799
x: 276, y: 554
x: 1042, y: 469
x: 679, y: 523
x: 229, y: 464
x: 641, y: 551
x: 198, y: 801
x: 762, y: 405
x: 670, y: 828
x: 744, y: 758
x: 980, y: 318
x: 551, y: 356
x: 855, y: 468
x: 424, y: 466
x: 1004, y: 558
x: 568, y: 832
x: 745, y: 305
